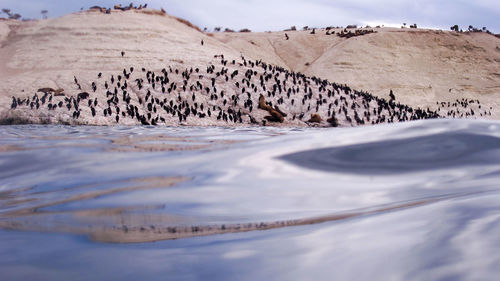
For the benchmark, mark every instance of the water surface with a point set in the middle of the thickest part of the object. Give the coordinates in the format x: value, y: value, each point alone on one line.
x: 412, y: 201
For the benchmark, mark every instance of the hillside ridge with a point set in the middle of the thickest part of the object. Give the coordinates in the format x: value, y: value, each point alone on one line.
x: 422, y: 68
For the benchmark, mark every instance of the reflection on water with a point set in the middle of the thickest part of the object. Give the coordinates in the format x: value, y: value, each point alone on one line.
x: 414, y: 201
x: 438, y: 151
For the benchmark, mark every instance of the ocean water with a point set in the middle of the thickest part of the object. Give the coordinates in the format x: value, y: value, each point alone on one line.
x: 410, y: 201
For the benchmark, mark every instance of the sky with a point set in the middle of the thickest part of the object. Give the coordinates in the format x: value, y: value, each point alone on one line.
x: 273, y: 15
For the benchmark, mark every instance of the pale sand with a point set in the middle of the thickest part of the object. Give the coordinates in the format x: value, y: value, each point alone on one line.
x: 421, y: 66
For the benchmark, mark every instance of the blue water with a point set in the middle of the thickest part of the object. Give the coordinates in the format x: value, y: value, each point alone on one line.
x: 426, y: 195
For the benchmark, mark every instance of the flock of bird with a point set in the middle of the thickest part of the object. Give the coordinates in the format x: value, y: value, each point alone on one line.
x: 226, y: 92
x: 463, y: 108
x: 345, y: 33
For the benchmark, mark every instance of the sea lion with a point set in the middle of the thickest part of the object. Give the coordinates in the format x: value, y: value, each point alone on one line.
x: 59, y: 92
x: 315, y: 118
x: 333, y: 121
x: 279, y: 110
x: 262, y: 103
x: 276, y: 116
x: 46, y: 90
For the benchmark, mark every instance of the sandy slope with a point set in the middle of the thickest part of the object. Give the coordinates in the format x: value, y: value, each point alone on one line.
x: 421, y: 66
x: 49, y: 53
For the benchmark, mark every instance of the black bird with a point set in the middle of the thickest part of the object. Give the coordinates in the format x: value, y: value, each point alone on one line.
x: 14, y: 103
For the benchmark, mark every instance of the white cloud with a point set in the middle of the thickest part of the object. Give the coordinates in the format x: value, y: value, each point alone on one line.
x: 262, y: 15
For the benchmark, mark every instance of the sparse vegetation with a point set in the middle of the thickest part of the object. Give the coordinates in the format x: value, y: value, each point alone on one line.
x: 359, y: 32
x: 10, y: 15
x: 245, y: 30
x: 15, y: 16
x: 471, y: 28
x: 147, y: 12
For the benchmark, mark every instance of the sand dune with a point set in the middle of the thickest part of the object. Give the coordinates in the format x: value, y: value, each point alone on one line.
x: 422, y: 67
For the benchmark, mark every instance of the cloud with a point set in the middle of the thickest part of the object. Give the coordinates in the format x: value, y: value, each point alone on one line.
x: 262, y: 15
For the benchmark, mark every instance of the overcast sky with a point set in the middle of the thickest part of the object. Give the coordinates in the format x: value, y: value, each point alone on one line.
x: 263, y: 15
